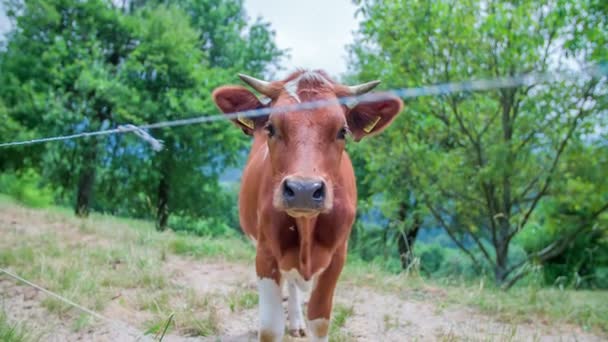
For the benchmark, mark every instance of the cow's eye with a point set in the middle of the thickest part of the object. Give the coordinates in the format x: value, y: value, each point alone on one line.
x: 342, y: 133
x: 270, y: 130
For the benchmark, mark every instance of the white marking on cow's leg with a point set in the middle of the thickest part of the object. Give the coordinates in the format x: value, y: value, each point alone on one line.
x: 319, y: 329
x: 297, y: 327
x: 272, y: 317
x: 293, y: 276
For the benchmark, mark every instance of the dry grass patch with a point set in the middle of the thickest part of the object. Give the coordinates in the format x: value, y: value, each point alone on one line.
x: 194, y: 315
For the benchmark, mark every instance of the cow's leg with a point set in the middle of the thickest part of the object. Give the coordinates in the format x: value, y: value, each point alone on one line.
x: 297, y: 327
x: 321, y: 299
x: 272, y: 317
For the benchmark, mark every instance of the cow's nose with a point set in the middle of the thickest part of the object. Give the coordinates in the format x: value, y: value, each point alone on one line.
x: 304, y: 194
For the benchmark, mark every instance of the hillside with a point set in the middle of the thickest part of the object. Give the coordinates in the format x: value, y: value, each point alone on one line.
x: 132, y: 274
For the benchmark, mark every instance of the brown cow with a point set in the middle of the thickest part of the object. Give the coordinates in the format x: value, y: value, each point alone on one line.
x: 298, y: 195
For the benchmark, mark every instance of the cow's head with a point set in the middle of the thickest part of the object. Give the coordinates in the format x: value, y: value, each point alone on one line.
x: 305, y: 147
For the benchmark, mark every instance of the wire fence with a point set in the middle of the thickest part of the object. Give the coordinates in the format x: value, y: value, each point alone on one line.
x: 593, y: 71
x: 116, y: 324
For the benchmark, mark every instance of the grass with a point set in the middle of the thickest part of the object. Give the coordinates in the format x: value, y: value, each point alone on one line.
x: 390, y: 322
x: 103, y: 256
x: 10, y: 332
x: 210, y: 247
x: 340, y: 314
x: 244, y: 299
x: 194, y: 315
x: 587, y: 309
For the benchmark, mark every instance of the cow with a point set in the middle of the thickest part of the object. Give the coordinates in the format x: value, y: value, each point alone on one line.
x: 298, y: 196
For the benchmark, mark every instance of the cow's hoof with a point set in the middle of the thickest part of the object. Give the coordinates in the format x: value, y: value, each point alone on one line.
x: 297, y: 332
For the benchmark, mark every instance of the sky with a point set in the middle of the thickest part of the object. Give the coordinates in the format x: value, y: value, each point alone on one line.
x: 4, y: 24
x: 315, y: 31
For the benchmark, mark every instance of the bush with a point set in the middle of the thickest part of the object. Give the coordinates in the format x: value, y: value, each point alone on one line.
x: 201, y: 227
x: 438, y: 261
x: 28, y: 188
x: 584, y: 262
x: 431, y: 256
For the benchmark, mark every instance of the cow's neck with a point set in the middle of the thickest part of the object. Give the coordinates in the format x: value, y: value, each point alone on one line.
x: 306, y: 230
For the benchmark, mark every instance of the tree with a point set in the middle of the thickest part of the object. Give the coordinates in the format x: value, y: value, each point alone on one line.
x: 172, y: 73
x: 574, y: 222
x: 73, y: 66
x: 481, y: 163
x: 60, y: 64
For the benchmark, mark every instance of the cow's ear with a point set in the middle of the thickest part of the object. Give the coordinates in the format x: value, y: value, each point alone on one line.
x: 232, y: 99
x: 370, y: 118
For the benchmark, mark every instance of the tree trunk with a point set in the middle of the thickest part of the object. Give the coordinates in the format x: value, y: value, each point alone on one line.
x: 501, y: 266
x: 406, y: 239
x: 86, y: 181
x: 405, y: 243
x: 162, y: 208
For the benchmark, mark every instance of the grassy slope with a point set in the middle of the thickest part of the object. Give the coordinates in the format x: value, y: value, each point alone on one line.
x: 78, y: 269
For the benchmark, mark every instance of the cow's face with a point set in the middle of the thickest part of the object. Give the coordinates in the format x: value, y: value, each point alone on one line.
x: 305, y: 147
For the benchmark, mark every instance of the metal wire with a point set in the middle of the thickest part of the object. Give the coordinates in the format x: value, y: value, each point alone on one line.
x: 119, y: 324
x: 594, y: 71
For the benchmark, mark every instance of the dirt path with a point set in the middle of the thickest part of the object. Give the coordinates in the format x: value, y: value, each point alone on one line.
x: 373, y: 316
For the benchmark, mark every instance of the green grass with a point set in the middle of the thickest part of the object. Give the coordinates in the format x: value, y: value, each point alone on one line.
x: 587, y: 309
x: 340, y: 315
x: 10, y: 332
x: 242, y: 300
x: 207, y: 247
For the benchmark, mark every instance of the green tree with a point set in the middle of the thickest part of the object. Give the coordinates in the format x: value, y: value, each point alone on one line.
x: 60, y: 64
x: 73, y: 66
x: 482, y: 162
x: 172, y: 73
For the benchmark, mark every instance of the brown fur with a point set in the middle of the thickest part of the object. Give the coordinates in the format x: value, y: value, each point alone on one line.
x: 305, y: 145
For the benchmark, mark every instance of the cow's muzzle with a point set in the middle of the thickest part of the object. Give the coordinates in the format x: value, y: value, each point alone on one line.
x: 304, y: 194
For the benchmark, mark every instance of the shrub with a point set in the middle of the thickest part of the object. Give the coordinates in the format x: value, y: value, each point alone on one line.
x: 201, y: 226
x: 431, y: 256
x: 28, y: 188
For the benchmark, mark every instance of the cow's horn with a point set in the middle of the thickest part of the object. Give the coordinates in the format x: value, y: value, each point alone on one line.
x: 263, y: 87
x: 361, y: 89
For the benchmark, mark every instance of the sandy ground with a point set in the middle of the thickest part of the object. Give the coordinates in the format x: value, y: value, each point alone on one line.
x: 376, y: 316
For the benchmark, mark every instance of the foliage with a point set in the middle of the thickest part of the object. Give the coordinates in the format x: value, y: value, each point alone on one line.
x: 202, y: 227
x: 481, y: 163
x: 73, y: 66
x: 28, y: 188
